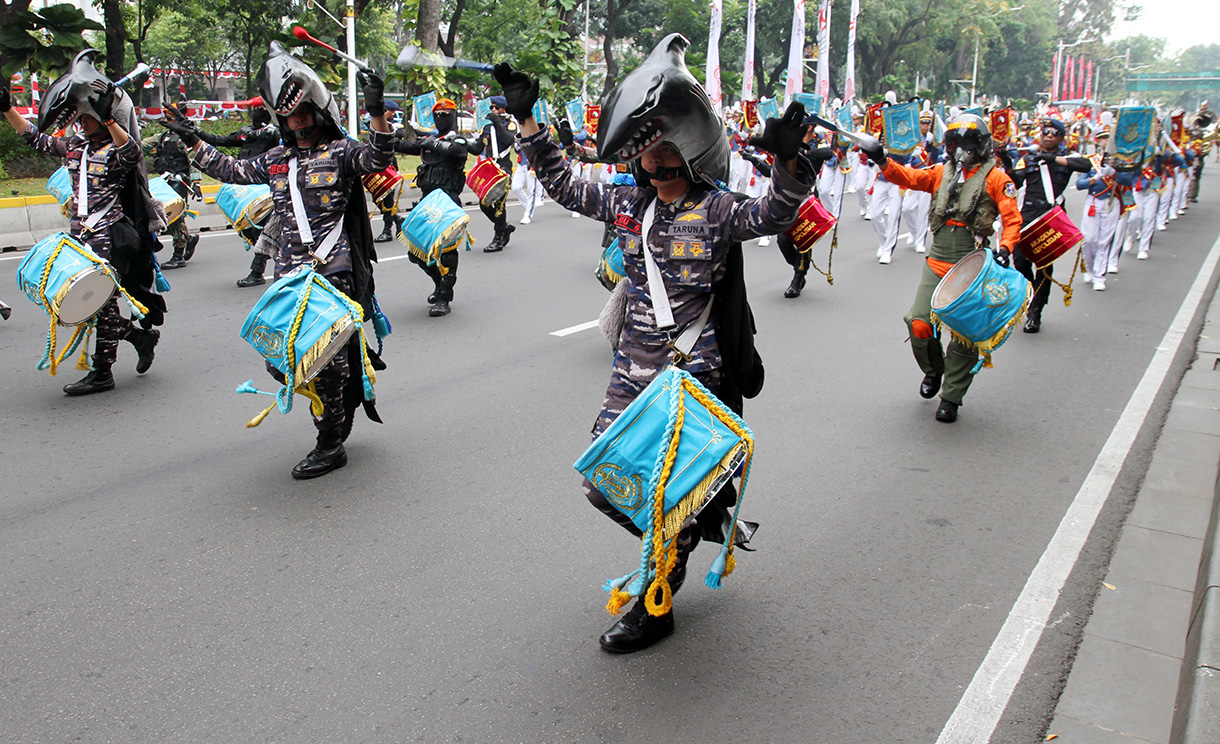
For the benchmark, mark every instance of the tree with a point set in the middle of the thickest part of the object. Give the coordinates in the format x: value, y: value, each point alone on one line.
x: 249, y: 26
x: 116, y: 38
x: 42, y: 41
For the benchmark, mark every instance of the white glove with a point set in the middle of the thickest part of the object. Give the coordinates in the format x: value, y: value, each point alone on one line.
x: 1107, y: 171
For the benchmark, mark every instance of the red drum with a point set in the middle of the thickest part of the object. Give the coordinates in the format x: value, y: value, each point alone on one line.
x: 812, y: 222
x: 1049, y: 237
x: 382, y: 184
x: 487, y: 181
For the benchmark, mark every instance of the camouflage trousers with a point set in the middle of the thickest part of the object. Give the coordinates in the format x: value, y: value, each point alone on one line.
x: 112, y: 327
x: 715, y: 519
x: 178, y: 231
x: 332, y: 378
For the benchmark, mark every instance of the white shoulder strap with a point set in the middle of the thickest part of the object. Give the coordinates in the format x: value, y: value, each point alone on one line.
x: 302, y: 217
x: 660, y: 297
x: 1046, y: 184
x: 82, y: 187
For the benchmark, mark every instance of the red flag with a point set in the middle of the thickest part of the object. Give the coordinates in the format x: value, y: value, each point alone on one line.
x: 1088, y: 81
x: 1068, y: 69
x: 1080, y: 79
x: 592, y: 116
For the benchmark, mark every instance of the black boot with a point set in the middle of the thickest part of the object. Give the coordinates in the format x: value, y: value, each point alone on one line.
x: 497, y: 243
x: 191, y: 242
x: 146, y: 344
x: 99, y: 380
x: 387, y: 234
x: 508, y: 231
x: 257, y: 267
x: 439, y: 309
x: 794, y: 289
x: 930, y: 386
x: 947, y: 412
x: 637, y: 630
x: 1033, y: 319
x: 175, y: 262
x: 328, y: 455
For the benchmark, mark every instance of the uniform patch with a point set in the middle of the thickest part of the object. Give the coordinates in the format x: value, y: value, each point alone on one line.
x: 628, y: 223
x: 700, y: 230
x: 689, y: 216
x: 1010, y: 190
x: 277, y: 169
x: 698, y: 251
x: 677, y: 249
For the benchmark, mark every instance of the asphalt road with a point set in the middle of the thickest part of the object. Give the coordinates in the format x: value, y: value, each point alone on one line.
x: 163, y: 579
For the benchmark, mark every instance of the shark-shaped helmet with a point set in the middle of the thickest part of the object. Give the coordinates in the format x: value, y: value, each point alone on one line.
x: 286, y: 83
x: 74, y: 94
x: 660, y: 101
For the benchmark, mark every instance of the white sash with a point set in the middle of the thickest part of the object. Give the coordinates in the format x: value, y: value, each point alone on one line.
x: 660, y: 299
x: 302, y: 218
x: 82, y: 188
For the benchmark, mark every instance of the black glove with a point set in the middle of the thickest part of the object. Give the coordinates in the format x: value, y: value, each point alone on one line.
x: 1047, y: 157
x: 1003, y: 257
x: 103, y: 105
x: 196, y: 192
x: 374, y: 93
x: 565, y: 134
x: 6, y: 98
x: 874, y: 151
x: 181, y: 126
x: 783, y: 137
x: 428, y: 143
x: 520, y: 90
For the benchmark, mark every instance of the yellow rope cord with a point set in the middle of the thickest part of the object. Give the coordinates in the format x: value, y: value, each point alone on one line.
x: 52, y: 339
x: 661, y: 582
x: 834, y: 243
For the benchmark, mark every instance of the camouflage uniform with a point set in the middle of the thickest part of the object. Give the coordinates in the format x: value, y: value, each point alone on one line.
x: 326, y: 178
x: 690, y: 241
x: 108, y: 167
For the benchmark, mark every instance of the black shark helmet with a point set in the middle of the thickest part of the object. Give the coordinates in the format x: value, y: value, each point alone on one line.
x: 286, y: 83
x: 660, y: 101
x: 74, y: 94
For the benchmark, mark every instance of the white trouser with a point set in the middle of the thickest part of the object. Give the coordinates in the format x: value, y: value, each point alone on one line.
x: 526, y: 187
x: 1148, y: 215
x: 1162, y: 215
x: 739, y: 172
x: 1098, y: 230
x: 756, y: 185
x: 834, y: 181
x: 1179, y: 191
x: 915, y: 206
x: 886, y: 194
x: 864, y: 181
x: 1122, y: 233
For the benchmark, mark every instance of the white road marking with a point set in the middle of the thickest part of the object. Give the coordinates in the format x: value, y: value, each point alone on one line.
x: 984, y: 702
x: 575, y: 329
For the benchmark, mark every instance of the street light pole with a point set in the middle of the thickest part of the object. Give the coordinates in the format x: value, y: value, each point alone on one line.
x: 974, y: 76
x: 350, y: 23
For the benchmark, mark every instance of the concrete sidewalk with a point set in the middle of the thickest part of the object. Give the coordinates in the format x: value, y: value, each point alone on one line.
x: 1148, y: 666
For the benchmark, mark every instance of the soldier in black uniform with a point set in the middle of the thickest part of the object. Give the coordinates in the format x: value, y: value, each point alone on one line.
x: 171, y: 161
x: 496, y: 141
x: 1027, y: 170
x: 442, y: 166
x: 254, y: 139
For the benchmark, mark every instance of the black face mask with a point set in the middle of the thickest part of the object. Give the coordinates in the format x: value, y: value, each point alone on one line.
x: 445, y: 121
x: 664, y: 173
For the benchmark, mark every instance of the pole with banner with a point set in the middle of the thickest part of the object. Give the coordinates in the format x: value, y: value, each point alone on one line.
x: 712, y: 77
x: 849, y: 83
x: 823, y: 49
x: 796, y: 52
x: 747, y: 78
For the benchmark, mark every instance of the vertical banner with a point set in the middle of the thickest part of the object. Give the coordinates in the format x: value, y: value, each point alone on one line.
x: 1080, y: 78
x: 811, y: 101
x: 576, y: 113
x: 1067, y: 80
x: 542, y: 112
x: 849, y: 83
x: 592, y: 116
x: 35, y: 94
x: 1088, y: 82
x: 823, y: 49
x: 712, y: 83
x: 796, y: 52
x: 482, y: 114
x: 422, y: 108
x: 747, y: 77
x: 1055, y: 63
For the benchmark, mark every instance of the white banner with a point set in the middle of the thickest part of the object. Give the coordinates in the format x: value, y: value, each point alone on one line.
x: 712, y: 84
x: 849, y: 84
x: 747, y: 80
x: 796, y: 52
x: 824, y: 50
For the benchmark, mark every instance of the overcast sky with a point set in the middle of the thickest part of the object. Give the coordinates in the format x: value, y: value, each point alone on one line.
x: 1182, y: 23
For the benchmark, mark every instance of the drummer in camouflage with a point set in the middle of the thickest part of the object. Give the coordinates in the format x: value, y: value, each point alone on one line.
x: 315, y: 181
x: 660, y: 121
x: 111, y: 209
x: 969, y: 191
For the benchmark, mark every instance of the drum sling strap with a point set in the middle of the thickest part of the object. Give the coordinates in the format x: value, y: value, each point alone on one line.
x: 322, y: 252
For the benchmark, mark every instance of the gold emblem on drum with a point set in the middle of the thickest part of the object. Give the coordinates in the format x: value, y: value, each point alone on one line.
x: 995, y: 292
x: 902, y: 128
x: 433, y: 213
x: 1131, y: 133
x: 624, y: 492
x: 268, y: 341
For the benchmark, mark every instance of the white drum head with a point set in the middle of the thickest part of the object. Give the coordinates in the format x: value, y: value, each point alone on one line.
x: 87, y: 293
x: 345, y: 330
x: 958, y: 279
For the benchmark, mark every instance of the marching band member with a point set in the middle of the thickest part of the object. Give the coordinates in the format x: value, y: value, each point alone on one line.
x: 915, y: 204
x: 318, y: 196
x: 1171, y: 163
x: 496, y: 141
x: 171, y: 161
x: 962, y: 217
x: 1102, y: 211
x: 1148, y: 201
x: 885, y: 208
x: 442, y: 166
x: 113, y: 209
x: 1054, y: 161
x: 692, y: 262
x: 254, y: 139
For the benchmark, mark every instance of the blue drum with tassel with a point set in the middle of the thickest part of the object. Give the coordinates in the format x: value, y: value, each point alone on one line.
x: 246, y: 207
x: 172, y: 201
x: 66, y: 279
x: 436, y: 225
x: 660, y: 463
x: 980, y: 302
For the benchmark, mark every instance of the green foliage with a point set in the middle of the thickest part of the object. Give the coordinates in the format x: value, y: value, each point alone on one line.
x: 43, y: 41
x: 19, y: 160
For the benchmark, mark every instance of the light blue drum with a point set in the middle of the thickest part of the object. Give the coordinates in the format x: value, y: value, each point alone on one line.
x: 175, y: 205
x: 980, y: 302
x: 436, y: 225
x: 66, y: 279
x: 246, y: 207
x: 59, y: 185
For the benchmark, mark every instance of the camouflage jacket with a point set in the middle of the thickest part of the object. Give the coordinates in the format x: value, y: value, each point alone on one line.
x: 325, y: 177
x: 689, y: 240
x: 107, y: 168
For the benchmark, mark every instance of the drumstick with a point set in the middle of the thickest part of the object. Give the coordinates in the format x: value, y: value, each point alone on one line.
x: 303, y: 35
